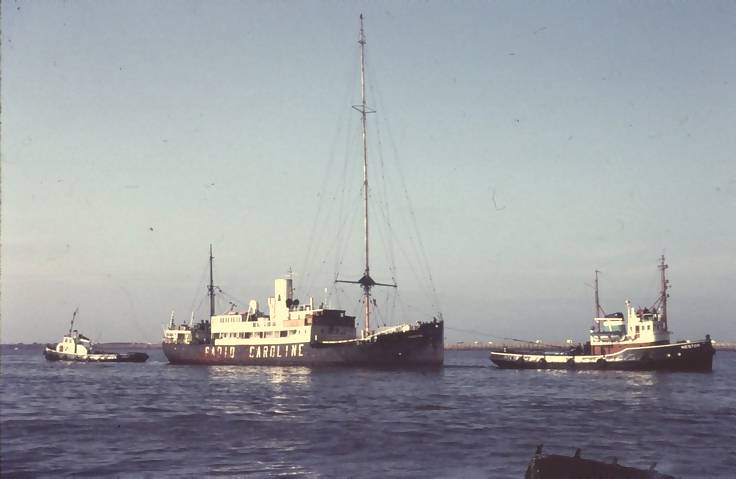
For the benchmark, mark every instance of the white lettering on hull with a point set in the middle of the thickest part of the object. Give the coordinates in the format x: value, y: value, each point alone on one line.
x: 220, y: 351
x: 257, y: 352
x: 276, y: 351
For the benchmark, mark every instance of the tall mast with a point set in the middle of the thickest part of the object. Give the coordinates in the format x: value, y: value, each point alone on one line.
x: 211, y: 287
x: 366, y: 281
x: 665, y: 284
x: 363, y: 112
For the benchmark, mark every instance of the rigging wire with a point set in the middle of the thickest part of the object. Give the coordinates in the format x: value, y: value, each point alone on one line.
x: 415, y: 238
x: 488, y: 335
x: 345, y: 209
x: 323, y: 203
x: 196, y: 310
x: 346, y: 214
x: 232, y: 298
x: 199, y: 285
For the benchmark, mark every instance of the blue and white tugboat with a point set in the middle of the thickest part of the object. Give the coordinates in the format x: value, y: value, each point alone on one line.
x: 290, y: 332
x: 639, y: 342
x: 77, y: 347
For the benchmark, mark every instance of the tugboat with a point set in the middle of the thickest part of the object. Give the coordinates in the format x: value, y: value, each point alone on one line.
x: 640, y: 342
x: 77, y: 347
x: 295, y: 333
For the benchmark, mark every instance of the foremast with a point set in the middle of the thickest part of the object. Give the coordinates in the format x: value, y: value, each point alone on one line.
x: 211, y: 286
x: 366, y: 281
x: 664, y: 286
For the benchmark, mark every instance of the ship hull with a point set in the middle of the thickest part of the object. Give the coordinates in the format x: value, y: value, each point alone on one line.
x: 685, y: 356
x: 422, y: 347
x: 53, y: 355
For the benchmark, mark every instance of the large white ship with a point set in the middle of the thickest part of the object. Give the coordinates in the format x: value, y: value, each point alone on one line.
x: 295, y: 333
x: 290, y: 332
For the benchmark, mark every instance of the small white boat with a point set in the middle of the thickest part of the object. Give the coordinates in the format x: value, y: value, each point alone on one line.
x: 77, y: 347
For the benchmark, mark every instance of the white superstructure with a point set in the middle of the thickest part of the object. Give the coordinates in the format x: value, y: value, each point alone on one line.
x: 641, y: 327
x: 287, y: 322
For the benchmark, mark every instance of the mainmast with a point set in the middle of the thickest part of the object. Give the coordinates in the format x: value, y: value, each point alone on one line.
x: 211, y: 286
x: 363, y: 111
x: 665, y: 284
x: 366, y: 281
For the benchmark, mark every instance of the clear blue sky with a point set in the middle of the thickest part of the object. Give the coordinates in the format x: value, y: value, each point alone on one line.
x: 136, y: 133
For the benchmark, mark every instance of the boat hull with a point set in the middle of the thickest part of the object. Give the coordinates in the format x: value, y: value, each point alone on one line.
x: 553, y: 466
x: 131, y: 357
x: 684, y: 356
x: 421, y: 347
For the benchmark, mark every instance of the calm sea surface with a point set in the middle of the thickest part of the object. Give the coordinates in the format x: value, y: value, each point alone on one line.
x: 468, y: 419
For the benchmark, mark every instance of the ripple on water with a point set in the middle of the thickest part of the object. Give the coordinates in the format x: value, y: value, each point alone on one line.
x: 467, y: 420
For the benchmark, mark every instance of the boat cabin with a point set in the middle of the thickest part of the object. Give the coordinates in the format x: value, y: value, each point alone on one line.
x: 74, y: 343
x: 180, y: 334
x: 643, y: 327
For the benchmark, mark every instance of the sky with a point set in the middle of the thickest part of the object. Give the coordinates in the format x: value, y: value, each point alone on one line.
x: 537, y: 142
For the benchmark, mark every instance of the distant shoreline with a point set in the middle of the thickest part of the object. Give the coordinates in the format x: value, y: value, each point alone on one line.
x: 100, y: 345
x: 459, y: 346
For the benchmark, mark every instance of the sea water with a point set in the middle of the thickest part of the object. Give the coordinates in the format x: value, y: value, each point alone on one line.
x: 468, y: 419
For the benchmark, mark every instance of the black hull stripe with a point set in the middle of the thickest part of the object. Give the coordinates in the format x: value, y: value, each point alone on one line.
x: 696, y: 356
x: 425, y: 349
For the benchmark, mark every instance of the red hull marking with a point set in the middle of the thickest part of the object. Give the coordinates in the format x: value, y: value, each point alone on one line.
x: 614, y: 348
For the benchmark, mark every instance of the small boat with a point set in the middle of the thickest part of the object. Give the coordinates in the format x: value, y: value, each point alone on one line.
x: 553, y: 466
x: 640, y: 342
x: 77, y: 347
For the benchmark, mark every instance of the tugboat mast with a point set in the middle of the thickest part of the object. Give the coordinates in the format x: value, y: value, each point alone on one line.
x: 71, y: 327
x: 665, y: 284
x: 599, y: 313
x: 211, y: 286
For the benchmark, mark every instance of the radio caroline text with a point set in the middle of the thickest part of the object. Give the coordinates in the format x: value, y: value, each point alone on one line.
x: 258, y: 352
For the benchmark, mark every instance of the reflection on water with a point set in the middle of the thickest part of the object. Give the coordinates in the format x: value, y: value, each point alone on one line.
x: 272, y: 374
x: 473, y: 420
x: 641, y: 378
x: 271, y: 389
x: 292, y: 375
